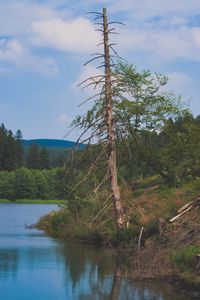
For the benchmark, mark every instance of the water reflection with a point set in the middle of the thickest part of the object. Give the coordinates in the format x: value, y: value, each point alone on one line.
x: 33, y: 266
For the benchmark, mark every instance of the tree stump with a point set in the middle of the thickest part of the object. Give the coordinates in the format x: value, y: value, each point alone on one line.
x: 162, y: 223
x: 196, y: 264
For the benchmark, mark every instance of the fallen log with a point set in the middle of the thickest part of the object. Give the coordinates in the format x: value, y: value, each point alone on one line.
x: 179, y: 215
x: 185, y: 207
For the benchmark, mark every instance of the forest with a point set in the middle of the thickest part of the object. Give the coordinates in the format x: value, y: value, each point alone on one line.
x: 27, y: 175
x: 172, y: 153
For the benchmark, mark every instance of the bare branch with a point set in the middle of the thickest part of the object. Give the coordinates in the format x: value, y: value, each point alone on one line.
x: 94, y: 12
x: 95, y: 83
x: 97, y: 54
x: 99, y: 30
x: 100, y: 44
x: 72, y: 129
x: 90, y: 78
x: 94, y: 58
x: 120, y: 23
x: 112, y: 32
x: 100, y: 17
x: 111, y: 29
x: 89, y: 99
x: 90, y: 170
x: 101, y: 66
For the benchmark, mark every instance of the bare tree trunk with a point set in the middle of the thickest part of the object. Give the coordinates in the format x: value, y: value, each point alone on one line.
x: 111, y: 133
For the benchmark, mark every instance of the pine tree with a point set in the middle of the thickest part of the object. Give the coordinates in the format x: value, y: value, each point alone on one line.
x: 9, y: 156
x: 33, y: 158
x: 3, y: 134
x: 44, y: 159
x: 25, y: 186
x: 19, y: 149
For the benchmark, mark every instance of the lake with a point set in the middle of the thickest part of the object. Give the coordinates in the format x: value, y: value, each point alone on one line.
x: 36, y: 267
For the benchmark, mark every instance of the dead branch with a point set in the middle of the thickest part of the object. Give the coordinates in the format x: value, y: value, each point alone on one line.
x: 179, y: 215
x: 90, y: 78
x: 94, y: 58
x: 120, y: 23
x: 89, y: 99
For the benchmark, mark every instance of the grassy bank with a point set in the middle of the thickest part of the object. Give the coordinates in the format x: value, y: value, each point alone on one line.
x: 167, y: 250
x: 32, y: 201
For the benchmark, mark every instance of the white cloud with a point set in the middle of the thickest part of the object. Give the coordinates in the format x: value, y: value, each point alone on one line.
x: 10, y: 50
x: 64, y: 119
x: 151, y: 8
x: 14, y: 54
x: 76, y: 35
x: 162, y: 45
x: 16, y: 16
x: 160, y: 31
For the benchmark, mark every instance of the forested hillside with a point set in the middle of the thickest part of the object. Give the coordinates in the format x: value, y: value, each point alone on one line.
x: 28, y: 170
x: 173, y: 153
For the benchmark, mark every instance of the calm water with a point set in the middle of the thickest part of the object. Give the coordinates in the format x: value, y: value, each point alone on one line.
x: 35, y: 267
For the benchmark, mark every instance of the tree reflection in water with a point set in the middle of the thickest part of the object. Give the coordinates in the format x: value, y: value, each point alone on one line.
x: 90, y: 273
x: 37, y: 267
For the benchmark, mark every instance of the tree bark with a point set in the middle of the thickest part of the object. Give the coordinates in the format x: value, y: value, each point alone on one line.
x: 119, y: 217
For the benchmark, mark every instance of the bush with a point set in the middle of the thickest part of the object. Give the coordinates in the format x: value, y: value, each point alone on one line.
x: 127, y: 235
x: 184, y: 258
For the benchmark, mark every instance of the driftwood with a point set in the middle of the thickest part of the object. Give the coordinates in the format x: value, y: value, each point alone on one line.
x: 139, y: 244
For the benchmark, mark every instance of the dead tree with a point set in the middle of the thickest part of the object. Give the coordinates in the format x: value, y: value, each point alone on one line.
x: 103, y: 127
x: 110, y: 127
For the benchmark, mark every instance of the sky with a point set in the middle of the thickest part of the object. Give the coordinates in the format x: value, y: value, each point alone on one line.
x: 45, y: 43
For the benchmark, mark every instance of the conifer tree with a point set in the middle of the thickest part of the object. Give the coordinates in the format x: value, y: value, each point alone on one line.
x: 44, y: 159
x: 33, y: 158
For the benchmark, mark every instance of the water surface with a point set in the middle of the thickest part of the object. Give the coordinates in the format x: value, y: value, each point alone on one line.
x: 36, y: 267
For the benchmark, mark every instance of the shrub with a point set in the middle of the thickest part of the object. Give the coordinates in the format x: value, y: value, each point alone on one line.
x: 184, y: 258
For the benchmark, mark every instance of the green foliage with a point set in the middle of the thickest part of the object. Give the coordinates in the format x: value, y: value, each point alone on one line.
x: 141, y: 103
x: 152, y: 228
x: 127, y: 235
x: 58, y: 220
x: 37, y: 158
x: 183, y: 259
x: 142, y: 112
x: 27, y: 183
x: 7, y: 185
x: 11, y: 151
x: 24, y: 184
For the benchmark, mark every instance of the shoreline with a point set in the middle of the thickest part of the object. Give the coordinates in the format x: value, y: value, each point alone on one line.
x: 153, y: 263
x: 32, y: 201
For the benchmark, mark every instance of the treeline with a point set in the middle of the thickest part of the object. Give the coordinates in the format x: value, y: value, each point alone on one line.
x: 11, y: 150
x: 12, y: 155
x: 173, y: 152
x: 24, y: 183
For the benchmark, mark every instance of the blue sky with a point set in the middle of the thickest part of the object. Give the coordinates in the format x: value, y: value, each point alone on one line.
x: 44, y: 44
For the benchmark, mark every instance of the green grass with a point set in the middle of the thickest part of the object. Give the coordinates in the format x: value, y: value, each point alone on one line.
x: 32, y: 201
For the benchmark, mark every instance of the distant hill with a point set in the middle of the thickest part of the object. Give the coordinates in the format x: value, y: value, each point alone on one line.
x: 51, y: 143
x: 57, y: 149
